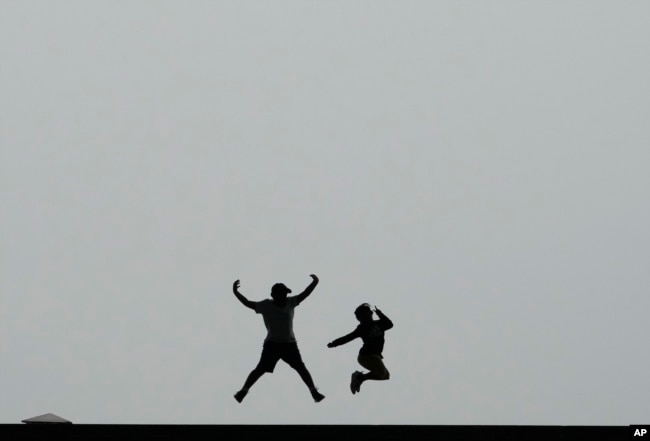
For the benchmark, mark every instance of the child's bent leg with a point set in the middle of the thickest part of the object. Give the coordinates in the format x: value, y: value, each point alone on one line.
x: 376, y: 375
x: 375, y: 365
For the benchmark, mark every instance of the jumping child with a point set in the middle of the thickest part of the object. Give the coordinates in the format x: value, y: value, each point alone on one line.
x: 370, y: 355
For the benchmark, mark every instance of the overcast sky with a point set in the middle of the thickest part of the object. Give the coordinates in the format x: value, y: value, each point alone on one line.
x: 478, y: 170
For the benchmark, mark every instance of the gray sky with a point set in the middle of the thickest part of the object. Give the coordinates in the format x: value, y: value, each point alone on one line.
x: 478, y: 170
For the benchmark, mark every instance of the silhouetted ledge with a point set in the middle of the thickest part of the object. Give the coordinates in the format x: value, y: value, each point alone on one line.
x: 306, y: 432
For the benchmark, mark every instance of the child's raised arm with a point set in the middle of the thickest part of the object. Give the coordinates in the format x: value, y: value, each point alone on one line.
x: 386, y: 323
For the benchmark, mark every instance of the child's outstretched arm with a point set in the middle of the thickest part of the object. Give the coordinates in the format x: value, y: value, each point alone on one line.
x: 343, y: 340
x: 386, y: 323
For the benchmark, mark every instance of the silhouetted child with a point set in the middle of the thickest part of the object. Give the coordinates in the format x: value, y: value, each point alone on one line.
x: 370, y: 355
x: 280, y: 342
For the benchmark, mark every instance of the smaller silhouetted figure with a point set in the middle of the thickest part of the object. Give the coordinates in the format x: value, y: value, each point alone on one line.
x: 370, y: 355
x: 280, y: 342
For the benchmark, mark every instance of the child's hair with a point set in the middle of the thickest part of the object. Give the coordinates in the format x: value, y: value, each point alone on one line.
x: 361, y: 308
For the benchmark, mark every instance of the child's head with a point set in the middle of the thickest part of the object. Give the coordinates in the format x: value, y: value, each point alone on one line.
x: 363, y: 313
x: 279, y: 291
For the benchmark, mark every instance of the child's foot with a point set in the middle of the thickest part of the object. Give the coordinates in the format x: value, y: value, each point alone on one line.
x: 359, y: 380
x: 355, y: 382
x: 239, y: 396
x: 317, y: 396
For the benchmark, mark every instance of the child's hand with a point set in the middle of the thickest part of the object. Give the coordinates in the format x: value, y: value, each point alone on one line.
x: 377, y: 310
x: 330, y: 345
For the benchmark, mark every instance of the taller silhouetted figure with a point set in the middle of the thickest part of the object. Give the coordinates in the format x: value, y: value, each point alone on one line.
x: 280, y: 342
